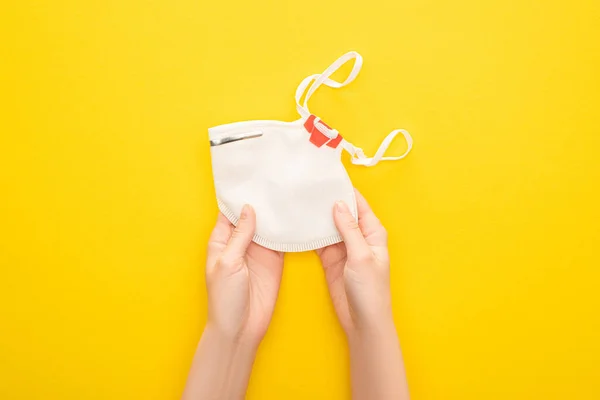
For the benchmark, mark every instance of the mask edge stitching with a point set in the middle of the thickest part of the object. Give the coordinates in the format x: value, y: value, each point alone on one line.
x: 283, y: 247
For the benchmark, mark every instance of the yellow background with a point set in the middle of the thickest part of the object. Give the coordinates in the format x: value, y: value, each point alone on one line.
x: 107, y: 199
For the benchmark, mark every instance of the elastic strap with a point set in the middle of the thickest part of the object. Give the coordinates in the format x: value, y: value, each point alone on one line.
x: 358, y: 155
x: 323, y: 79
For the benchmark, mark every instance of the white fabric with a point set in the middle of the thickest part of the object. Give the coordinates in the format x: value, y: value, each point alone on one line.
x: 291, y: 183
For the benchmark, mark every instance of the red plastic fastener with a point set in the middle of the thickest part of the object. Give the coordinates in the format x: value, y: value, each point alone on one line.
x: 317, y: 137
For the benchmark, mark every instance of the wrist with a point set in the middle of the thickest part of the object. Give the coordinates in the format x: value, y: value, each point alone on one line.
x: 376, y: 363
x: 241, y: 344
x: 221, y: 367
x: 372, y: 332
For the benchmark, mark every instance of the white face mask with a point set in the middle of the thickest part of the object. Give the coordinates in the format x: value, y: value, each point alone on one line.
x: 290, y: 172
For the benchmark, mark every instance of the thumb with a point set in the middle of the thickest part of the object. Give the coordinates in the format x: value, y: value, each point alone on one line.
x: 346, y: 224
x: 242, y: 234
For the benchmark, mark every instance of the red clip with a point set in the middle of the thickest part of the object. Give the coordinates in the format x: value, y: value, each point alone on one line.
x: 317, y: 137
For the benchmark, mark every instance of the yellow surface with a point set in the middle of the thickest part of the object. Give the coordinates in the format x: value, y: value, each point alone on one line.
x: 107, y: 197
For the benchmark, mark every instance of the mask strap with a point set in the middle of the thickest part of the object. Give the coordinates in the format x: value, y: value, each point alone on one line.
x: 359, y: 158
x: 323, y: 79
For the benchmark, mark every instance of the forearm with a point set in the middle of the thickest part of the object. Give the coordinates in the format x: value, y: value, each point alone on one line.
x: 221, y: 368
x: 376, y: 364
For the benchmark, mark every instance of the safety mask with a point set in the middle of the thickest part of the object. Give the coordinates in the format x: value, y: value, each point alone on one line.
x: 290, y: 172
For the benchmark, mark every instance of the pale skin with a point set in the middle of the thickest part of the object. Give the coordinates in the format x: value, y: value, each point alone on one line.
x: 243, y: 281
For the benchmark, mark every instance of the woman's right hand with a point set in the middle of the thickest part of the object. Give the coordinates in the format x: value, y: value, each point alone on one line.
x: 358, y: 275
x: 357, y: 270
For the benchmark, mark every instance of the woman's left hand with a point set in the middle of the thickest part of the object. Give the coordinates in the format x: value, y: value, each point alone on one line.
x: 242, y: 279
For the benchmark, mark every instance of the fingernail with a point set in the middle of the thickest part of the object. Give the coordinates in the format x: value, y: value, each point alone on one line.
x: 244, y: 213
x: 341, y: 207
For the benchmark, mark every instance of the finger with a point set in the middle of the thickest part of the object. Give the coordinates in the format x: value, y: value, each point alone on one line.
x: 218, y: 240
x: 346, y: 224
x: 242, y: 234
x: 368, y: 222
x: 222, y: 231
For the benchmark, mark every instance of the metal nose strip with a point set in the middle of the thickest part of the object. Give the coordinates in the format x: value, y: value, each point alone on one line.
x: 234, y: 138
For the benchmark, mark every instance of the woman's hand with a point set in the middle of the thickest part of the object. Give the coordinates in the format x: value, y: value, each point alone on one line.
x: 243, y: 281
x: 358, y: 275
x: 358, y: 269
